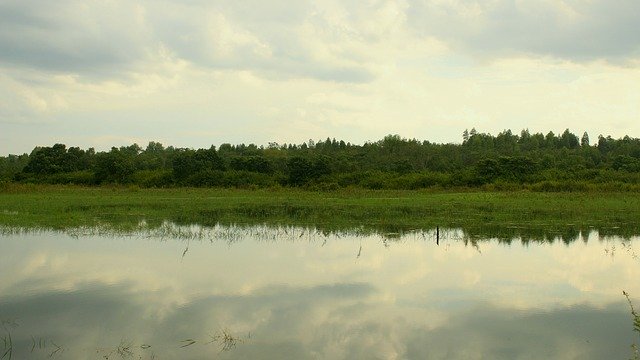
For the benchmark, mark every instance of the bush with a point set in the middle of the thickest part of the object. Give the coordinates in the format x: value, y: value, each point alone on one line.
x: 205, y: 178
x: 153, y: 178
x: 247, y: 179
x: 421, y: 180
x: 376, y: 180
x: 76, y: 178
x: 232, y: 178
x: 561, y: 186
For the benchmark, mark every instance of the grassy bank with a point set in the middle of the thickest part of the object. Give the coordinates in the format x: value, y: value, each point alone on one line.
x: 494, y: 214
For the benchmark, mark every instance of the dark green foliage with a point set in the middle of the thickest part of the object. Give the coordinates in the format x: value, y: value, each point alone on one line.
x: 505, y: 168
x: 511, y: 161
x: 153, y: 178
x: 56, y: 159
x: 301, y: 170
x: 257, y: 164
x: 188, y: 162
x: 569, y: 140
x: 204, y: 178
x: 584, y: 141
x: 12, y: 165
x: 77, y: 177
x: 626, y: 163
x: 116, y: 166
x: 154, y: 157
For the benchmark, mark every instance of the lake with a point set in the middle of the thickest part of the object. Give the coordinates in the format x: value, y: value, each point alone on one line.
x: 289, y: 292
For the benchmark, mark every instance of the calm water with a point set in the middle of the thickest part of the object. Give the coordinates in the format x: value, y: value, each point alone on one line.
x: 290, y: 293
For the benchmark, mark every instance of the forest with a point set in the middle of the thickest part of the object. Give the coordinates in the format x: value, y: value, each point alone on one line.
x: 538, y: 162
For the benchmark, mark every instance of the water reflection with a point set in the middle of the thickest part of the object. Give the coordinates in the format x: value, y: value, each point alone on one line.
x: 292, y: 293
x: 233, y: 231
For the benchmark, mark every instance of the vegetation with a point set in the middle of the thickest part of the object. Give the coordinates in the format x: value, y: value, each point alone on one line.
x: 507, y: 161
x: 484, y: 185
x: 636, y: 325
x: 505, y: 215
x: 126, y: 349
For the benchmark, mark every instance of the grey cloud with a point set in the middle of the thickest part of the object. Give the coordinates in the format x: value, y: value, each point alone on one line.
x: 275, y: 48
x: 583, y: 31
x: 274, y: 11
x: 114, y: 39
x: 97, y: 316
x: 70, y: 36
x: 580, y: 331
x: 284, y: 322
x: 252, y: 11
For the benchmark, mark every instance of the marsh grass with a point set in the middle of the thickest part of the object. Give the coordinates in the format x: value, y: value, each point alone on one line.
x: 126, y: 349
x: 226, y: 340
x: 57, y: 350
x: 7, y: 340
x: 636, y: 326
x: 7, y: 346
x: 38, y: 344
x: 504, y: 215
x: 187, y: 342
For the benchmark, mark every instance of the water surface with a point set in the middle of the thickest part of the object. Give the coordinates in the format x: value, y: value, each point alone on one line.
x: 274, y: 293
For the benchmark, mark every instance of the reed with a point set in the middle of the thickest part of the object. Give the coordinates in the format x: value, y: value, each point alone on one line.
x: 636, y: 326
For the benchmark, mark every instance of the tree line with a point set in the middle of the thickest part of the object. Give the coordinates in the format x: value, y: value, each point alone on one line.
x: 536, y: 161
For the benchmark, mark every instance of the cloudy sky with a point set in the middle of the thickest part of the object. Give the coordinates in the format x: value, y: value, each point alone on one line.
x: 193, y: 73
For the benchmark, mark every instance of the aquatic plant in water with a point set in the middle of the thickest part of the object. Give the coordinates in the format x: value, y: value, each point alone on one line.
x: 7, y: 341
x: 226, y: 340
x: 636, y: 326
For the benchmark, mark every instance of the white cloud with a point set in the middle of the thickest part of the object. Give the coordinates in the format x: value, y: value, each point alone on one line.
x: 22, y: 103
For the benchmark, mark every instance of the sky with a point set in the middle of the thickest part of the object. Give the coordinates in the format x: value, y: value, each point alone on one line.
x: 192, y: 73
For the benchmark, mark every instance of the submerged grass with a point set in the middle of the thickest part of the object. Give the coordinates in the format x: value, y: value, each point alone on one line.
x: 226, y: 340
x: 7, y: 346
x: 520, y: 213
x: 126, y: 349
x: 7, y: 340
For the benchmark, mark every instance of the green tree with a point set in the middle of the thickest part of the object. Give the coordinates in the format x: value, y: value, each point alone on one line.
x: 299, y: 170
x: 188, y: 162
x: 115, y: 166
x: 584, y: 141
x: 569, y: 140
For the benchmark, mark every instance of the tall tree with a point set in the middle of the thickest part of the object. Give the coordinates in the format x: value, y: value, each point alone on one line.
x: 584, y: 141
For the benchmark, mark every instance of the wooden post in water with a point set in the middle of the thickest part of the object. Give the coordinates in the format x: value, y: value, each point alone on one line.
x: 437, y: 236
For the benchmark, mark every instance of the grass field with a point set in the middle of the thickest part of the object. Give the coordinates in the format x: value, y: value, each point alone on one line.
x: 482, y: 214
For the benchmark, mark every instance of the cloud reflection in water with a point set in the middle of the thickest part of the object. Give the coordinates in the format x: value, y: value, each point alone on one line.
x: 307, y: 301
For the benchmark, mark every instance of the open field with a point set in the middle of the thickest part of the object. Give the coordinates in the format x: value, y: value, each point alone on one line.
x: 494, y: 214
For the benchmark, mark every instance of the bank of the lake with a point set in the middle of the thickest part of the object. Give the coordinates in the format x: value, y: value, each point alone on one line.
x: 481, y: 213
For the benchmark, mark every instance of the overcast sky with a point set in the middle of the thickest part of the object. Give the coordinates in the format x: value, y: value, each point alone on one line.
x: 191, y: 73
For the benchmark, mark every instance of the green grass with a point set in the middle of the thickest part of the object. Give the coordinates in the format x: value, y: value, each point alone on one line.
x: 495, y: 214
